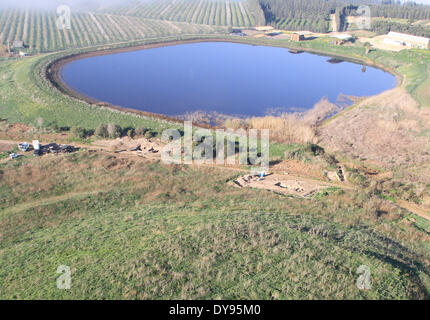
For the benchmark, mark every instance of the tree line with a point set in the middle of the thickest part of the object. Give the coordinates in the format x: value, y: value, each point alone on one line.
x: 383, y: 27
x: 314, y: 15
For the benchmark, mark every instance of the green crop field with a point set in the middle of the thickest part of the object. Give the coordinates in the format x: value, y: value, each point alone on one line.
x: 37, y: 28
x: 210, y: 12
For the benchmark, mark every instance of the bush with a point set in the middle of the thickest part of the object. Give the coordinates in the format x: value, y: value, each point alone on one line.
x: 114, y: 130
x: 130, y: 133
x: 79, y: 132
x: 150, y: 134
x: 102, y: 131
x: 141, y: 131
x: 54, y: 126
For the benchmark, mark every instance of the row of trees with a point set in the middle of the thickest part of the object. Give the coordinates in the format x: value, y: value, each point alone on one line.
x: 111, y: 131
x: 209, y: 12
x: 401, y: 11
x: 383, y: 27
x: 313, y: 15
x: 257, y: 12
x: 390, y: 11
x: 37, y: 28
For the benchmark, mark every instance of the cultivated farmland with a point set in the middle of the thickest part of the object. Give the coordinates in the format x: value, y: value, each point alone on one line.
x: 224, y: 13
x: 38, y: 29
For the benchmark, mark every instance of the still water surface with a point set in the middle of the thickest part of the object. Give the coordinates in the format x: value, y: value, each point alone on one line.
x: 228, y: 78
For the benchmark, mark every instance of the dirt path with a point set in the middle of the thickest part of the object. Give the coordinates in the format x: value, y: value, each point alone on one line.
x: 414, y: 208
x: 127, y: 148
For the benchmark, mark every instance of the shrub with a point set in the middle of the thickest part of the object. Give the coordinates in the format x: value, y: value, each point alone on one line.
x: 79, y: 132
x: 114, y: 130
x: 141, y: 131
x: 102, y: 131
x: 54, y: 126
x: 130, y: 133
x: 150, y: 134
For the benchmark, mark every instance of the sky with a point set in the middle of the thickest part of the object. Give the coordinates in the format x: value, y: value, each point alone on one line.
x: 86, y: 3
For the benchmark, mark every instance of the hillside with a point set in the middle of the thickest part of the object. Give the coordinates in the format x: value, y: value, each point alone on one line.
x: 141, y: 229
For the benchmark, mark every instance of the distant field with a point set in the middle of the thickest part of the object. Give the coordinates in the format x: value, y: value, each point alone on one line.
x: 37, y: 28
x: 210, y: 12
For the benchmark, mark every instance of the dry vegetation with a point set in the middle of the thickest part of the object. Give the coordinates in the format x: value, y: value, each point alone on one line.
x: 389, y: 130
x: 3, y: 51
x: 290, y: 128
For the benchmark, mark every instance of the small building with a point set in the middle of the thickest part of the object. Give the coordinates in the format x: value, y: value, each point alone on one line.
x: 273, y: 34
x: 407, y: 40
x: 264, y: 28
x: 343, y: 36
x: 297, y: 37
x: 17, y: 44
x: 393, y: 42
x: 36, y: 144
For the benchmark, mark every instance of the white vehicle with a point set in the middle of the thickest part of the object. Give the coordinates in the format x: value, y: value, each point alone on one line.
x: 36, y: 145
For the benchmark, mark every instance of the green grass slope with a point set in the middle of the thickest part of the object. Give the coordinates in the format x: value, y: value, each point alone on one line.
x: 130, y: 229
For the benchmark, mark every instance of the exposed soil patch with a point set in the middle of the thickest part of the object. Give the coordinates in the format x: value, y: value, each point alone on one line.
x: 296, y: 167
x: 147, y: 148
x: 6, y: 146
x: 285, y: 184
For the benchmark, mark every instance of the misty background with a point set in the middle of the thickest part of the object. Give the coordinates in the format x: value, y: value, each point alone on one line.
x: 52, y: 4
x: 89, y: 4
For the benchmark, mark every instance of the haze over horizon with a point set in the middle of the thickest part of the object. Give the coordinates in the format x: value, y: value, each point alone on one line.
x: 87, y: 4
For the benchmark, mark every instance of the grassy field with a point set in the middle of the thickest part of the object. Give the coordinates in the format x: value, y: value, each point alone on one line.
x: 132, y: 229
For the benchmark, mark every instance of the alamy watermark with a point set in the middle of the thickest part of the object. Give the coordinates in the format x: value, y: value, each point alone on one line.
x: 364, y: 19
x: 364, y: 280
x: 64, y: 281
x: 64, y: 17
x: 199, y: 146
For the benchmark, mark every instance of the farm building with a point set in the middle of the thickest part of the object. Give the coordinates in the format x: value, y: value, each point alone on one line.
x: 297, y: 37
x: 342, y: 36
x: 17, y: 44
x: 396, y: 38
x: 264, y: 28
